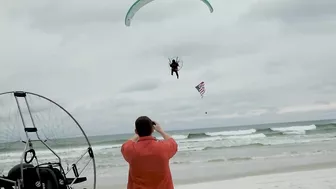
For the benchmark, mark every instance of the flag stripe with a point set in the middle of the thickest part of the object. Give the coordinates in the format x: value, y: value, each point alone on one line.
x: 201, y: 88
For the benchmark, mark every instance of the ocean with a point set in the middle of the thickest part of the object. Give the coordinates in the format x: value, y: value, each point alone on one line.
x: 206, y: 154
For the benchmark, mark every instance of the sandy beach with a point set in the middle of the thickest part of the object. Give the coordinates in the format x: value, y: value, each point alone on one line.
x: 305, y: 173
x: 313, y: 179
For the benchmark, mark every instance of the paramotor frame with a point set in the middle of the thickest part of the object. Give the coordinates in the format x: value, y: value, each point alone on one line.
x: 178, y: 60
x: 26, y: 169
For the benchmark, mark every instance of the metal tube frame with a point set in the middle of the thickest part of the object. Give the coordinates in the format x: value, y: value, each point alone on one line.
x: 28, y: 142
x: 81, y: 157
x: 80, y: 173
x: 16, y: 184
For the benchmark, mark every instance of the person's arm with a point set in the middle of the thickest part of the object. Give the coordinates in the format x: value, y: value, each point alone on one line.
x: 164, y: 135
x: 169, y: 144
x: 128, y: 147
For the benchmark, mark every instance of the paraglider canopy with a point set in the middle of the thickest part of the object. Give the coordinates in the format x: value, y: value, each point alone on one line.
x: 141, y: 3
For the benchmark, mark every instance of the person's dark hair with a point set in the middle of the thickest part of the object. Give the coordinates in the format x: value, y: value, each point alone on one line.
x: 144, y: 126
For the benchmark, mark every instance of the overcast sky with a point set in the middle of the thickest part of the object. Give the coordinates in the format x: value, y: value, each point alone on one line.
x: 261, y: 61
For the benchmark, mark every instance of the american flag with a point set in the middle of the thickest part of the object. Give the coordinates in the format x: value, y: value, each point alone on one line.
x: 200, y: 88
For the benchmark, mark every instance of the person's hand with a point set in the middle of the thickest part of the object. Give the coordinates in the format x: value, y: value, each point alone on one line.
x: 157, y: 127
x: 134, y: 138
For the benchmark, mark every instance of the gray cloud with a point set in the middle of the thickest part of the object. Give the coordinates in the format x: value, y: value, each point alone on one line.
x: 296, y: 11
x: 142, y: 86
x: 261, y: 61
x: 296, y: 16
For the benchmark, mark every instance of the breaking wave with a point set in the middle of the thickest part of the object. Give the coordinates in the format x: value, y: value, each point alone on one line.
x: 276, y: 131
x: 221, y: 133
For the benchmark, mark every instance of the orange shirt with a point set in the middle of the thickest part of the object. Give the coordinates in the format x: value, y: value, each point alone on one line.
x: 148, y: 160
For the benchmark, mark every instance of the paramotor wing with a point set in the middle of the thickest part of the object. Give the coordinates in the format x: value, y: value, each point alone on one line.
x: 140, y: 3
x: 207, y: 3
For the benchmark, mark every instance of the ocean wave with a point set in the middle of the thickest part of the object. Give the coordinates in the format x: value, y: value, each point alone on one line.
x: 328, y: 125
x: 206, y: 139
x: 301, y: 130
x: 223, y: 147
x: 225, y: 138
x: 232, y: 133
x: 217, y: 135
x: 271, y: 131
x: 265, y: 132
x: 259, y: 135
x: 221, y: 133
x: 247, y: 158
x: 197, y: 135
x: 250, y: 142
x: 176, y: 137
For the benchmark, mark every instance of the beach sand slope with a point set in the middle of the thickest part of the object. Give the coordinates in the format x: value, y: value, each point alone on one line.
x: 315, y: 179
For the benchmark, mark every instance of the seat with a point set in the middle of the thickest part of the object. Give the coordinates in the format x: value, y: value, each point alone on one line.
x: 14, y: 174
x: 35, y: 178
x: 60, y: 178
x: 38, y: 177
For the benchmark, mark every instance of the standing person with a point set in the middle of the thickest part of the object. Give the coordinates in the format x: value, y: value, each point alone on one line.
x: 148, y: 158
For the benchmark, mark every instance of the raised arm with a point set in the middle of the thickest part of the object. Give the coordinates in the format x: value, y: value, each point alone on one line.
x: 127, y: 148
x: 169, y: 144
